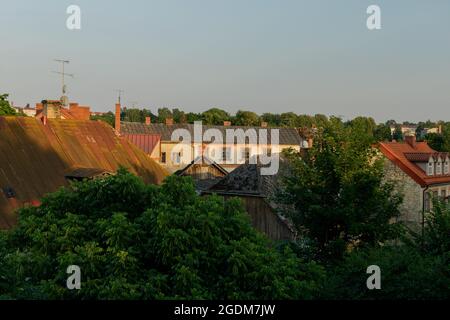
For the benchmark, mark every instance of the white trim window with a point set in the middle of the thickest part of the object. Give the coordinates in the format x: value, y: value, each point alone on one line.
x: 447, y: 166
x: 430, y: 167
x: 176, y: 157
x: 439, y: 166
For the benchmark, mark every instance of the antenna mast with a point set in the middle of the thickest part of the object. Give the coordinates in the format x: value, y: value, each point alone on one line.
x: 120, y: 91
x: 63, y: 74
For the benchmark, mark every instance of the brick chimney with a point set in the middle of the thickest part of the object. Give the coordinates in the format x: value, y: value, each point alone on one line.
x: 148, y: 120
x: 117, y: 121
x: 264, y: 124
x: 411, y: 140
x: 227, y: 123
x: 169, y: 121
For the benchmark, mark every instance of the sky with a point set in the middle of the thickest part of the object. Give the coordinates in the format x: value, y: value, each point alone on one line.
x: 307, y: 57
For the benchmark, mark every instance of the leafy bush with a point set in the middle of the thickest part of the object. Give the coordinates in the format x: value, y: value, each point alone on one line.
x: 137, y: 241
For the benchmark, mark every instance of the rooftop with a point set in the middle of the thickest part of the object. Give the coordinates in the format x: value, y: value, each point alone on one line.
x: 407, y: 156
x: 35, y: 159
x: 288, y: 136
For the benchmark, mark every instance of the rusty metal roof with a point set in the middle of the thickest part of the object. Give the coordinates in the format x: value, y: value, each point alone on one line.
x: 34, y: 158
x: 145, y: 142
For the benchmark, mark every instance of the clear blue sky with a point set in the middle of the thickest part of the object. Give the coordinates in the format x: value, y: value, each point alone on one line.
x: 309, y: 57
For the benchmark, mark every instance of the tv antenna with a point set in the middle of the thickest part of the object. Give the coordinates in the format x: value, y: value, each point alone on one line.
x: 120, y: 91
x: 63, y: 75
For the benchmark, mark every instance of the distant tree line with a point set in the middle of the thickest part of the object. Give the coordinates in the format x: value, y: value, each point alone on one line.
x: 216, y: 116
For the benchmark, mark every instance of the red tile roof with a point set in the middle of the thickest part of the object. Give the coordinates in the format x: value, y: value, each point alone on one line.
x: 34, y: 158
x: 405, y: 157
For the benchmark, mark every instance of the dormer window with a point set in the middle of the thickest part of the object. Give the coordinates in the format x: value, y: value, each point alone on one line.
x: 439, y: 166
x: 430, y: 168
x: 447, y: 166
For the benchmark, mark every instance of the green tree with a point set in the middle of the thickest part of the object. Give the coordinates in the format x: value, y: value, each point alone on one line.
x: 382, y: 132
x: 364, y: 126
x: 137, y: 241
x: 107, y: 117
x: 246, y: 118
x: 418, y: 269
x: 289, y: 119
x: 5, y: 107
x: 336, y: 195
x: 191, y: 117
x: 305, y: 121
x: 163, y: 114
x: 397, y: 135
x: 179, y: 116
x: 272, y: 119
x: 436, y: 141
x: 215, y: 116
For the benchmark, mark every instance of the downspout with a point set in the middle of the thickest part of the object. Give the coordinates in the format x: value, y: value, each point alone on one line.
x: 423, y: 210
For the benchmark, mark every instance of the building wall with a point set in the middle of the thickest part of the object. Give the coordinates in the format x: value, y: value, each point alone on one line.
x: 411, y: 208
x: 264, y: 219
x: 172, y: 166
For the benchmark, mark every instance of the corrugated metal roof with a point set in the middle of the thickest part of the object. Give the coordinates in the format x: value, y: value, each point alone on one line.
x: 287, y: 136
x: 145, y: 142
x: 35, y: 158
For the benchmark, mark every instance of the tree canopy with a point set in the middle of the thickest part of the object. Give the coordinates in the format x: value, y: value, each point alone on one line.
x: 5, y: 107
x: 137, y: 241
x: 336, y: 194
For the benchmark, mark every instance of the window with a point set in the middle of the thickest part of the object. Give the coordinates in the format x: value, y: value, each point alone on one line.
x: 435, y: 195
x: 439, y: 166
x: 446, y: 167
x: 430, y: 169
x: 163, y: 157
x: 226, y: 154
x: 267, y: 152
x: 176, y: 157
x: 245, y: 154
x: 443, y: 194
x: 427, y: 202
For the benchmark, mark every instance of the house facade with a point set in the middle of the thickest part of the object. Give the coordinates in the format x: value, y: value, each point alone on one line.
x: 419, y: 173
x: 238, y: 144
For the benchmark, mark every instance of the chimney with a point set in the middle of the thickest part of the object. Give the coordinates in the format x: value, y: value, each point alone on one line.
x: 264, y: 124
x: 117, y: 121
x: 169, y: 121
x: 227, y: 123
x: 148, y: 120
x: 440, y: 129
x: 411, y: 140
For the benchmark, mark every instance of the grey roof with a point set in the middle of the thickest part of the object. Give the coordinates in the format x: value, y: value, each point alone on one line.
x: 248, y: 180
x: 287, y: 136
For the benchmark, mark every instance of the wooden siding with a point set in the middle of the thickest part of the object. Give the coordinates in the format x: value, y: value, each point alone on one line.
x: 264, y: 219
